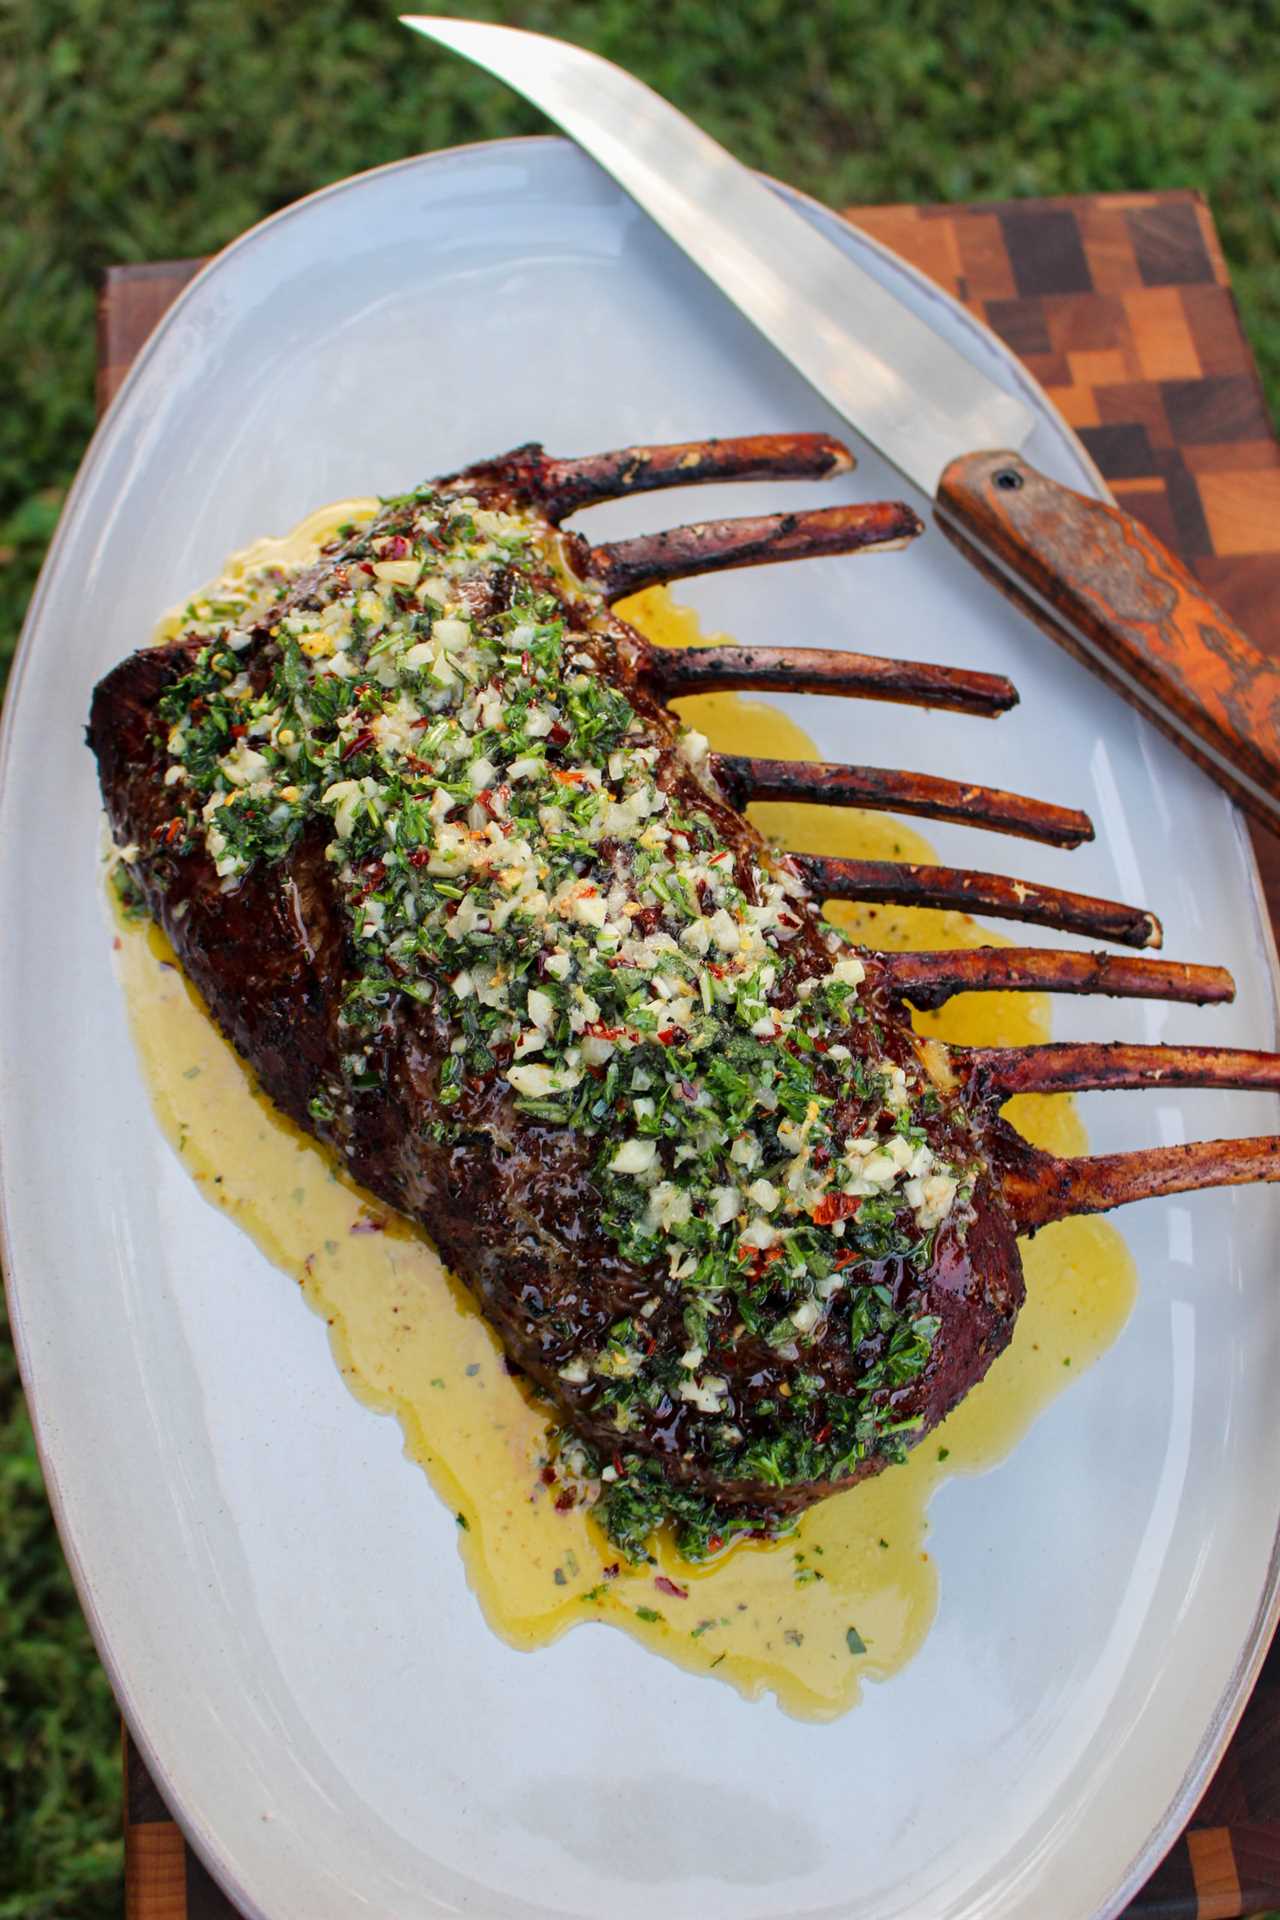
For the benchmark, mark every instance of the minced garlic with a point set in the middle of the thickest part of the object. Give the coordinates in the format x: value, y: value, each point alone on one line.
x: 515, y: 844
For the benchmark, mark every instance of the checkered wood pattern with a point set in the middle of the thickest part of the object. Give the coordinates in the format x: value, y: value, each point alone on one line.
x: 1121, y: 306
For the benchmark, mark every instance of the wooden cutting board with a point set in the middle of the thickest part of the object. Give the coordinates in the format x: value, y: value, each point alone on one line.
x: 1121, y: 306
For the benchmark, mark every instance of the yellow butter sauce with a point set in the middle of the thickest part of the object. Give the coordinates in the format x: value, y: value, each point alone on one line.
x: 848, y: 1596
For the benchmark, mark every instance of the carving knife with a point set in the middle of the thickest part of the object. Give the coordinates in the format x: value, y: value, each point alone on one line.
x: 1089, y: 575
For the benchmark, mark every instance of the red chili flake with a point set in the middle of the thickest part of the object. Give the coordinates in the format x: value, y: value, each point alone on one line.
x: 239, y: 731
x: 669, y: 1036
x: 356, y: 744
x: 566, y: 1500
x: 820, y: 1046
x: 846, y: 1260
x: 548, y: 1476
x: 395, y: 547
x: 367, y: 1223
x: 759, y: 1258
x: 416, y: 726
x: 597, y: 1030
x: 664, y: 1585
x: 559, y: 736
x: 377, y: 874
x: 611, y: 1573
x: 434, y: 540
x: 835, y: 1206
x: 714, y: 1542
x: 365, y: 567
x: 821, y: 1155
x: 823, y: 1433
x: 785, y: 920
x: 420, y: 856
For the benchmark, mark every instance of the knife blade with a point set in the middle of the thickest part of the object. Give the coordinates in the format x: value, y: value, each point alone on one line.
x: 1090, y: 576
x: 912, y: 394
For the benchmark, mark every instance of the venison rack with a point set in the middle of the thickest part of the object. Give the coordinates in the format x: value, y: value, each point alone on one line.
x: 784, y: 1357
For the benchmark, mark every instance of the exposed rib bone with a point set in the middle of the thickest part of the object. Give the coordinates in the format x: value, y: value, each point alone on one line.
x: 745, y: 780
x: 990, y: 893
x: 561, y: 486
x: 676, y: 671
x: 619, y: 567
x: 1041, y: 1188
x: 930, y: 979
x: 995, y: 1073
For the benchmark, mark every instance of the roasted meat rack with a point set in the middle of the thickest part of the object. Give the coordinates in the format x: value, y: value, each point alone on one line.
x: 1039, y: 1187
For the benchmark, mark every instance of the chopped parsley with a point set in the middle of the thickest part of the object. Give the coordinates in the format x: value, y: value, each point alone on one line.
x: 521, y: 851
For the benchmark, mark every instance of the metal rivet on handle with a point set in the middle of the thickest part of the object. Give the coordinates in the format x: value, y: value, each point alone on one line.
x: 1008, y: 480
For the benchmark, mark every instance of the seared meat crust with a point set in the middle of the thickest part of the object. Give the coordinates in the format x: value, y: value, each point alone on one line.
x: 509, y: 1199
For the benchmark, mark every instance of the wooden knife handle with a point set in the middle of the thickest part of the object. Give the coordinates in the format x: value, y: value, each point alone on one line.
x: 1106, y: 589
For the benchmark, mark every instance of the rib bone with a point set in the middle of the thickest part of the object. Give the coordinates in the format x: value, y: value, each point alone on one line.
x: 885, y: 788
x: 677, y: 671
x: 1041, y: 1188
x: 620, y: 567
x: 928, y: 980
x: 969, y: 892
x: 560, y: 487
x: 995, y: 1073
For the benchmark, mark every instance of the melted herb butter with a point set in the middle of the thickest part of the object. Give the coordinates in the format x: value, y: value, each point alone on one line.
x: 520, y: 848
x: 783, y: 1618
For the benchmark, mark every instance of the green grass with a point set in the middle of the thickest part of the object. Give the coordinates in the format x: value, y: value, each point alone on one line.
x: 59, y: 1734
x: 141, y: 129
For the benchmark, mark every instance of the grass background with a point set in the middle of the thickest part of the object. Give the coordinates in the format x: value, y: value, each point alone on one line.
x: 142, y: 129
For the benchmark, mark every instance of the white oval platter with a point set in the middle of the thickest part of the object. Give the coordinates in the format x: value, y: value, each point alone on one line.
x: 275, y: 1590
